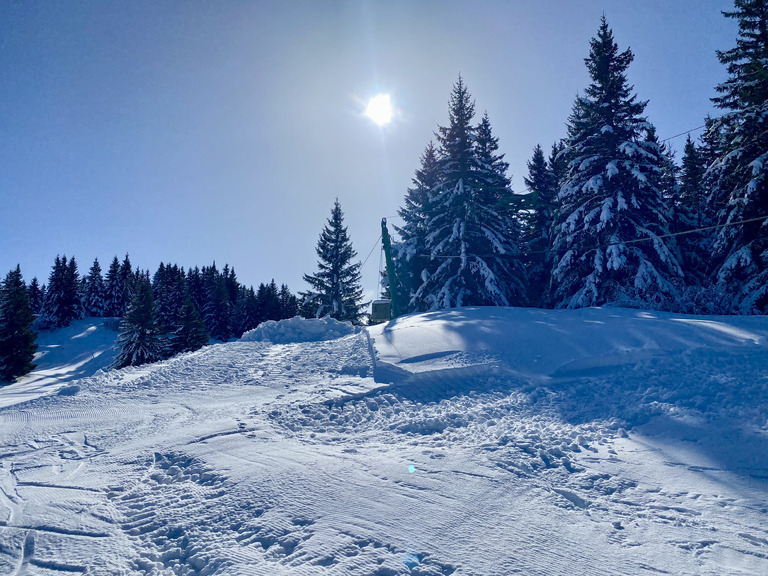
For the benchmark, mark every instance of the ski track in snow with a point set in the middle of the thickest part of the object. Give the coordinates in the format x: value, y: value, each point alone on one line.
x: 252, y: 458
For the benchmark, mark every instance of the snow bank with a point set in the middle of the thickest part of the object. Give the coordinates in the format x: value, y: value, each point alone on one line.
x: 299, y: 330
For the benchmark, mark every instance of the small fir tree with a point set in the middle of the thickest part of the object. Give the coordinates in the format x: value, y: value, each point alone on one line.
x: 335, y: 287
x: 17, y: 340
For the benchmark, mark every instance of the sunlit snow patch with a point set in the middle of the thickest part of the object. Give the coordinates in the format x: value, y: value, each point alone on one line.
x: 299, y: 330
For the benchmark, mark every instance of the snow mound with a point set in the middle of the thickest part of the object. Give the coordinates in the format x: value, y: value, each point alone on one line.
x: 299, y: 330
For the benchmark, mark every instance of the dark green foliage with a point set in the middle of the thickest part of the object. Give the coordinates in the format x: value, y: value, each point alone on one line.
x: 190, y: 333
x: 335, y: 287
x: 140, y: 341
x: 691, y: 214
x: 36, y: 296
x: 216, y: 309
x: 289, y: 304
x: 542, y: 183
x: 114, y: 291
x: 17, y: 340
x: 94, y: 294
x: 169, y: 287
x: 246, y: 314
x: 268, y: 300
x: 62, y: 302
x: 128, y: 280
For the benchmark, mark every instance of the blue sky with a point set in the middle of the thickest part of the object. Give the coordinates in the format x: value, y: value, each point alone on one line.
x: 198, y: 131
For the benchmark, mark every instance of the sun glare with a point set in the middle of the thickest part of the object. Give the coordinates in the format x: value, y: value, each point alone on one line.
x: 380, y: 109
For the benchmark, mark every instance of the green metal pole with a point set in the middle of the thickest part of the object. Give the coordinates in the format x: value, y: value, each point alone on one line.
x: 385, y: 241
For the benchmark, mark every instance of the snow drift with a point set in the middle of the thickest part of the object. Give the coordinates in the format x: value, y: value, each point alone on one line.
x: 299, y: 330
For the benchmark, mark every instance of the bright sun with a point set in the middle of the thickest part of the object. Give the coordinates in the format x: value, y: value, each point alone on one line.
x: 380, y: 109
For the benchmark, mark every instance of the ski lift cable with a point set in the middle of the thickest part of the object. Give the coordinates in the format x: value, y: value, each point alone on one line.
x: 726, y: 115
x: 634, y: 241
x: 371, y: 252
x: 684, y: 133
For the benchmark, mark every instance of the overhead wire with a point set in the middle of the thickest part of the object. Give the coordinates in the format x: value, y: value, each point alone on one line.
x: 683, y: 133
x: 633, y: 241
x: 371, y: 252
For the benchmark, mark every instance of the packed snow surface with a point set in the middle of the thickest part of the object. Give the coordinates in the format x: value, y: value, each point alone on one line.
x: 482, y: 441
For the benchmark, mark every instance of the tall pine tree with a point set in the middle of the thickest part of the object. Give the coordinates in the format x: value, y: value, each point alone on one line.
x: 607, y: 236
x: 740, y: 173
x: 335, y: 287
x: 17, y: 340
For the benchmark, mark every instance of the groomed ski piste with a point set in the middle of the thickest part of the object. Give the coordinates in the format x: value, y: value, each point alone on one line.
x: 475, y: 441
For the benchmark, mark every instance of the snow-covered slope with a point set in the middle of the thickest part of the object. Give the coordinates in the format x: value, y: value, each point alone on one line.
x: 471, y: 441
x: 65, y: 354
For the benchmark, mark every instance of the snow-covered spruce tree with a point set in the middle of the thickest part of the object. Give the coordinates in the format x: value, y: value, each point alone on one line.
x: 740, y: 174
x: 95, y: 301
x: 471, y: 235
x: 606, y: 242
x: 139, y: 340
x: 537, y: 221
x: 114, y: 293
x: 17, y: 340
x: 335, y: 287
x: 410, y: 253
x: 62, y: 302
